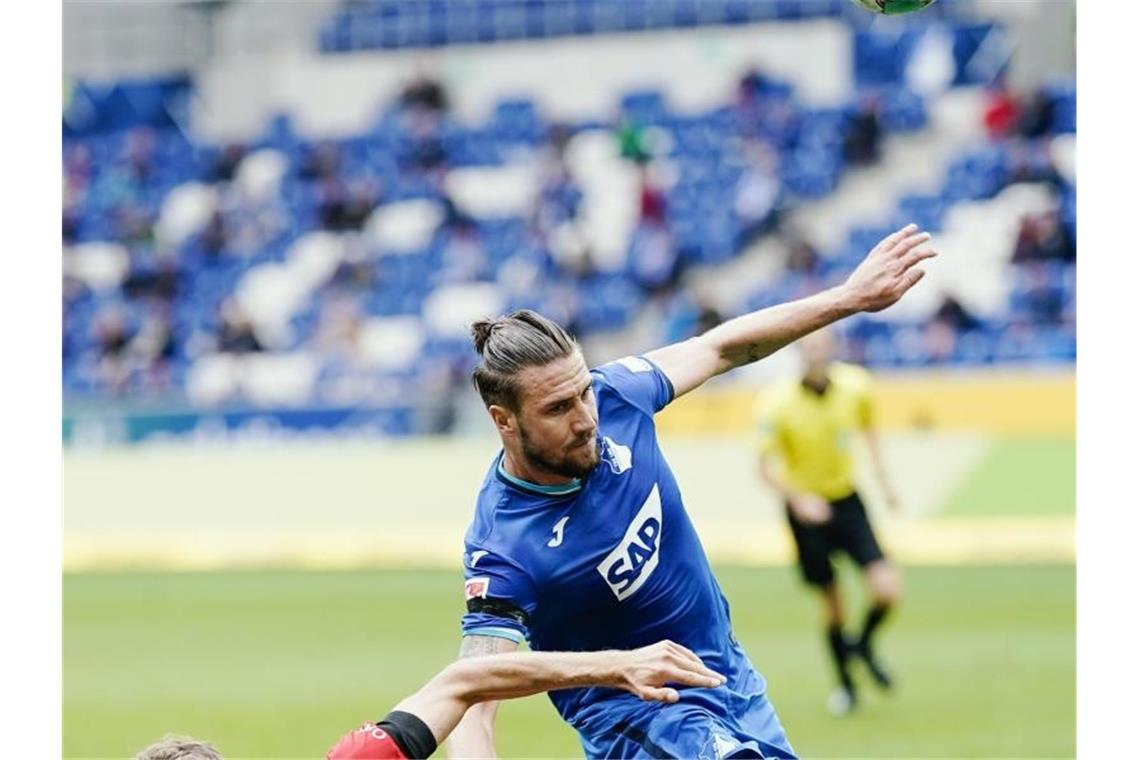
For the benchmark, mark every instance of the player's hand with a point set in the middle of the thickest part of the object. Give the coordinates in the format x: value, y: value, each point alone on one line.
x: 889, y: 270
x: 647, y: 671
x: 892, y: 499
x: 810, y: 509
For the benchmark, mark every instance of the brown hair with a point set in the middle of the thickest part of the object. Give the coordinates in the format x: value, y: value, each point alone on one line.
x: 179, y: 748
x: 510, y: 344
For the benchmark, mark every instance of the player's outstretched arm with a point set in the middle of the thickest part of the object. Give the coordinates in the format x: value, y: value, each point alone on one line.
x: 472, y: 730
x: 473, y: 682
x: 881, y: 279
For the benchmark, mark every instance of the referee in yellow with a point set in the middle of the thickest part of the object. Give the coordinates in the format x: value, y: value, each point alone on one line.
x: 806, y: 429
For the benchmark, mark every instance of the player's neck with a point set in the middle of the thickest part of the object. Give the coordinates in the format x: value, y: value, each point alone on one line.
x: 816, y: 381
x: 518, y: 467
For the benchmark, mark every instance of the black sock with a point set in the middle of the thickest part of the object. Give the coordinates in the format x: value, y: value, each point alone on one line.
x: 875, y: 617
x: 839, y: 648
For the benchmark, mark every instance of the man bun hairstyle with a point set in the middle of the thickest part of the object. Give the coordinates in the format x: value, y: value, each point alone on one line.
x: 511, y: 343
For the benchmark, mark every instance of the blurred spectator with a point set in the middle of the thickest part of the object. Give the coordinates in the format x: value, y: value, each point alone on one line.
x: 1032, y: 162
x: 112, y: 338
x: 236, y: 334
x: 158, y: 279
x: 1001, y: 110
x: 1036, y: 118
x: 651, y: 198
x: 72, y: 214
x: 322, y: 162
x: 138, y: 153
x: 153, y: 349
x: 425, y: 149
x: 1043, y: 238
x: 764, y: 108
x: 632, y: 142
x: 559, y: 199
x: 346, y: 206
x: 425, y: 92
x: 863, y: 132
x: 653, y: 259
x: 227, y: 162
x: 953, y: 314
x: 134, y: 224
x: 757, y: 190
x: 338, y: 328
x: 212, y: 238
x: 802, y: 257
x: 707, y: 318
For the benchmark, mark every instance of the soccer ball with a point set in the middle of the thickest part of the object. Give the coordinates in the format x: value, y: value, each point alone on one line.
x: 892, y: 7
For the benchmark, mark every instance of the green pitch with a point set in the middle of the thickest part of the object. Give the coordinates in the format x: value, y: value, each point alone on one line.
x: 1035, y: 476
x: 279, y: 664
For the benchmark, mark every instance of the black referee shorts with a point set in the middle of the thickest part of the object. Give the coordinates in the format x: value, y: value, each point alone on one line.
x: 848, y: 530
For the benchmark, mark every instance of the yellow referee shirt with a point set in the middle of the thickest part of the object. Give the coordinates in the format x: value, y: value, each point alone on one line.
x: 810, y: 434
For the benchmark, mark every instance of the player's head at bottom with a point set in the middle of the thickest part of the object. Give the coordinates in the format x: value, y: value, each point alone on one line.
x: 180, y: 748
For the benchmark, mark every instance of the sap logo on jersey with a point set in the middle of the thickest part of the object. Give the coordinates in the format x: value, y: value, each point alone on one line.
x: 629, y: 565
x: 618, y: 457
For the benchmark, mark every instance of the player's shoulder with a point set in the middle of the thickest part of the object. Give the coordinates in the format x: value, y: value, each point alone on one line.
x: 619, y: 373
x: 633, y: 381
x: 504, y: 515
x: 851, y: 376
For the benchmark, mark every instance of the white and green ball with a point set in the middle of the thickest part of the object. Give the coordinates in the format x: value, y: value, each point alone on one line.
x: 893, y: 7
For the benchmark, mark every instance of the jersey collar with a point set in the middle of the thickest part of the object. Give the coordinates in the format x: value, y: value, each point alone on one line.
x: 565, y: 489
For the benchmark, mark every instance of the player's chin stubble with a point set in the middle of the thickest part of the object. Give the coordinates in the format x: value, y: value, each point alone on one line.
x: 571, y: 465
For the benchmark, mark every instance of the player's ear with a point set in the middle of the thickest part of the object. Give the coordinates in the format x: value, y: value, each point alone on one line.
x: 505, y: 421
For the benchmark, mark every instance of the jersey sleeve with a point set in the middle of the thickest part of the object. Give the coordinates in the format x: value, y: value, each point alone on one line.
x: 499, y: 595
x: 639, y: 381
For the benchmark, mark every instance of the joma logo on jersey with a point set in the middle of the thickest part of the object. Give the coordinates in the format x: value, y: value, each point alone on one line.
x: 629, y: 565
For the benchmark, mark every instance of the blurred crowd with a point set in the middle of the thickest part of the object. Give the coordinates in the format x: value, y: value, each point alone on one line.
x: 147, y: 295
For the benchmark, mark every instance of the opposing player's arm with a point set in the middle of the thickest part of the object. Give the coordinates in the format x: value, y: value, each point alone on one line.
x: 469, y: 682
x: 807, y: 507
x: 880, y: 280
x: 474, y: 728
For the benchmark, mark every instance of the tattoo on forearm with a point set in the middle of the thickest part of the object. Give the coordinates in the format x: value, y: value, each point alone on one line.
x: 479, y: 646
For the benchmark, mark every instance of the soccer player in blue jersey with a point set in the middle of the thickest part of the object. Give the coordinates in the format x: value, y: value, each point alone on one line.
x: 581, y: 540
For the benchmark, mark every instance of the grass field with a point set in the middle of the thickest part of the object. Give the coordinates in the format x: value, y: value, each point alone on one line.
x: 278, y: 664
x: 1020, y: 477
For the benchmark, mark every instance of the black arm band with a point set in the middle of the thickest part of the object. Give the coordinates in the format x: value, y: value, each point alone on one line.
x: 499, y: 608
x: 410, y: 733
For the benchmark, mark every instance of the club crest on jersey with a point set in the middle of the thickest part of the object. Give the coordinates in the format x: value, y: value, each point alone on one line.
x: 633, y: 560
x: 717, y: 747
x: 618, y: 457
x: 476, y: 588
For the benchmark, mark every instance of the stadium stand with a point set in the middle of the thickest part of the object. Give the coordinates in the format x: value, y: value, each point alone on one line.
x: 292, y: 273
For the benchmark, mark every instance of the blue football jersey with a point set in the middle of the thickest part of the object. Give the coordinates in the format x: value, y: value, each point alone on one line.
x: 611, y: 562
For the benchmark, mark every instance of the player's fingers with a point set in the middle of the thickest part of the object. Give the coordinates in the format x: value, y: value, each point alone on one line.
x: 902, y: 247
x: 914, y: 257
x: 912, y: 277
x: 693, y: 663
x: 659, y: 694
x: 693, y: 677
x: 891, y: 240
x: 696, y: 664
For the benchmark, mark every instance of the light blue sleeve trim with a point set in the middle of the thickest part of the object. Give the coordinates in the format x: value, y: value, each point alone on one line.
x: 498, y: 633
